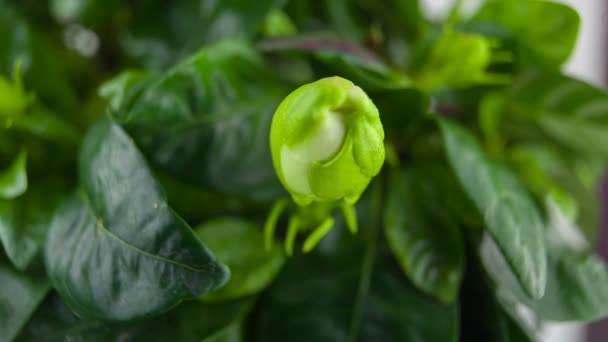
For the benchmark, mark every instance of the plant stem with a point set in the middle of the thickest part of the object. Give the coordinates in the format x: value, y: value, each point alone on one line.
x: 369, y: 257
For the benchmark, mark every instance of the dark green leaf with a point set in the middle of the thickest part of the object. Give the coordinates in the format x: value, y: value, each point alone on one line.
x: 116, y: 251
x: 551, y: 40
x: 422, y: 234
x: 510, y: 215
x: 240, y: 245
x: 189, y: 322
x: 20, y: 295
x: 350, y: 288
x: 207, y: 121
x: 13, y: 180
x: 164, y: 32
x: 43, y: 72
x: 25, y: 221
x: 483, y: 319
x: 342, y: 57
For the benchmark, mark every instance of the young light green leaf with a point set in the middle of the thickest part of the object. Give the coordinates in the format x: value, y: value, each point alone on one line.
x: 510, y: 215
x: 116, y: 251
x: 552, y: 42
x: 240, y: 245
x: 13, y: 180
x: 21, y: 294
x: 422, y: 234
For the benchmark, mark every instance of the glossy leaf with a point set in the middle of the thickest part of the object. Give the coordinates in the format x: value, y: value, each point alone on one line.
x: 575, y: 290
x: 422, y: 234
x: 552, y: 42
x: 207, y: 120
x: 240, y: 245
x: 25, y: 221
x: 118, y: 230
x: 510, y: 215
x: 189, y: 322
x: 21, y: 294
x: 13, y: 180
x: 350, y: 288
x: 577, y: 287
x: 162, y: 33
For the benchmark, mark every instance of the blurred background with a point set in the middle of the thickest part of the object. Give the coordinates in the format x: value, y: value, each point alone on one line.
x: 589, y: 62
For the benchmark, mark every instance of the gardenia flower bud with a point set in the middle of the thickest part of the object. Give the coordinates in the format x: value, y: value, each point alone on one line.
x: 327, y: 141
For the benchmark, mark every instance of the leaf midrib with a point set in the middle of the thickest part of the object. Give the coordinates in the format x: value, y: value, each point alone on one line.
x: 99, y: 224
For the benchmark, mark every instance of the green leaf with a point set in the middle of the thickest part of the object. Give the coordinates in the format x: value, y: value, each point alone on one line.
x: 162, y: 32
x: 25, y: 221
x: 510, y: 215
x: 546, y: 169
x: 457, y: 60
x: 43, y: 70
x: 13, y: 180
x: 536, y: 93
x: 552, y: 42
x: 344, y: 58
x: 240, y: 245
x: 122, y: 90
x: 189, y: 322
x: 483, y: 318
x: 231, y: 333
x: 21, y: 293
x: 568, y: 132
x: 206, y: 122
x: 43, y: 123
x: 116, y: 251
x: 422, y: 234
x: 577, y: 286
x: 349, y: 288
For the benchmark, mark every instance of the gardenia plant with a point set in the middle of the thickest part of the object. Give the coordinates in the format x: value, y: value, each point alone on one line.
x: 288, y: 170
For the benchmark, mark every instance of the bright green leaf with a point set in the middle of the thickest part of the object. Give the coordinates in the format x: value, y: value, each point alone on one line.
x: 551, y: 40
x: 13, y: 180
x: 240, y: 245
x: 116, y: 251
x: 422, y: 234
x: 510, y: 215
